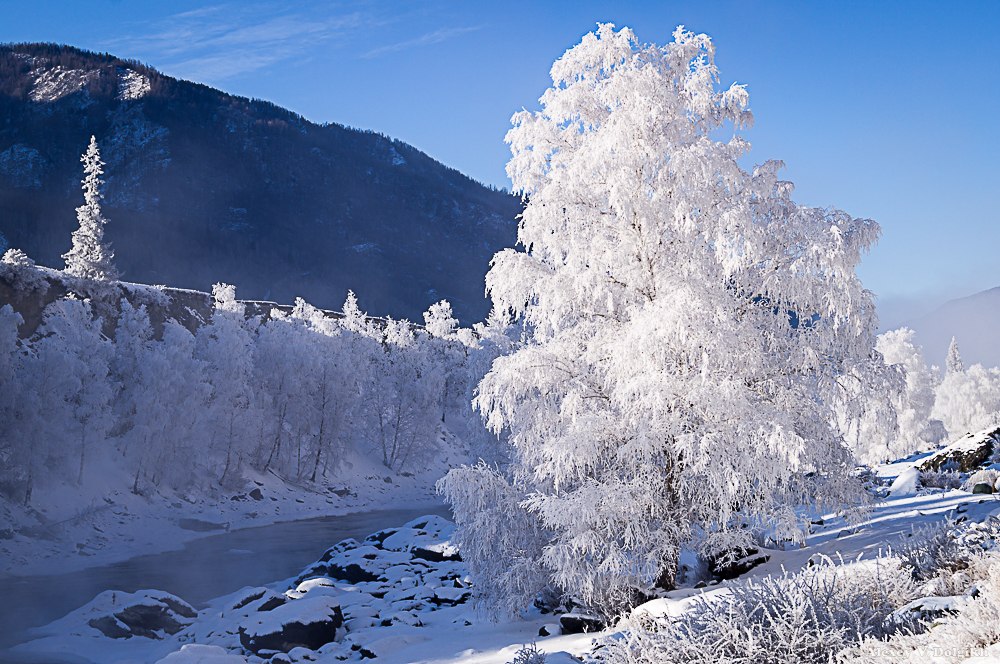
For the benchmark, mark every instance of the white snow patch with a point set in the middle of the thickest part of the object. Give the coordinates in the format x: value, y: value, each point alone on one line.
x: 132, y: 85
x: 58, y: 82
x: 906, y: 484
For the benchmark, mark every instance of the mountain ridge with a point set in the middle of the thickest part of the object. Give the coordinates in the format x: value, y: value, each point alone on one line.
x: 204, y: 186
x: 974, y: 320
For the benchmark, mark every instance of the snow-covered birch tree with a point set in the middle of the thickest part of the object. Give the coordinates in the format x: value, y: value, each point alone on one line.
x: 691, y: 325
x: 91, y: 257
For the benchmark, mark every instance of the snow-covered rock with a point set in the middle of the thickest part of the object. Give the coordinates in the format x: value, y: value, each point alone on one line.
x: 310, y: 623
x: 906, y: 484
x: 146, y: 613
x: 966, y: 454
x: 193, y: 653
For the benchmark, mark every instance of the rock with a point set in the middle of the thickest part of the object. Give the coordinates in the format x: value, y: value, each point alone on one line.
x: 250, y: 596
x: 193, y: 653
x: 928, y: 608
x: 310, y: 623
x: 966, y: 454
x: 580, y: 623
x: 906, y: 484
x: 110, y: 627
x: 257, y: 494
x: 549, y: 629
x: 982, y: 487
x: 351, y: 573
x: 737, y: 563
x: 446, y: 596
x: 437, y: 554
x: 146, y: 613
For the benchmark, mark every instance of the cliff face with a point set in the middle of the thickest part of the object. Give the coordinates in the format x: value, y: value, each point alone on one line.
x: 205, y: 187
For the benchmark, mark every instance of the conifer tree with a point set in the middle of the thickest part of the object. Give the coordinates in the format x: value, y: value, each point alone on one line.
x: 91, y: 257
x: 954, y: 363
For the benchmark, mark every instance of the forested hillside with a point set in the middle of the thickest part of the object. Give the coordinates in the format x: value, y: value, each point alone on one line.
x: 203, y: 186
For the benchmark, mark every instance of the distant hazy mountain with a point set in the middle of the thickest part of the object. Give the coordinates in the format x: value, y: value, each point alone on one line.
x: 203, y: 187
x: 973, y: 320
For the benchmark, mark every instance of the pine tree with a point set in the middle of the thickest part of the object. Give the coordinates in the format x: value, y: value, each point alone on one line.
x: 953, y: 363
x: 91, y: 257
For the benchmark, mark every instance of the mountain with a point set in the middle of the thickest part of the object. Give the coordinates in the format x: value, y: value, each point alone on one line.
x: 974, y: 321
x: 203, y: 186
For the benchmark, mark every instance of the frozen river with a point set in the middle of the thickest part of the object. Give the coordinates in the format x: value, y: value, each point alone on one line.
x: 203, y: 569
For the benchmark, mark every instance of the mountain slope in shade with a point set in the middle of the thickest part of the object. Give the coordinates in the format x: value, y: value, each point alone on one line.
x: 973, y: 320
x: 203, y: 186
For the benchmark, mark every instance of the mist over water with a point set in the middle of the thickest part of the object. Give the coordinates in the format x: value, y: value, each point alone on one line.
x: 204, y: 569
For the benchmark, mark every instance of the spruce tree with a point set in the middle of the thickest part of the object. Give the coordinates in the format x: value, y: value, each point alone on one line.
x: 91, y: 257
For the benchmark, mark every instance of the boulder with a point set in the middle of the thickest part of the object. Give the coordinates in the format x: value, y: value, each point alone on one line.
x: 310, y: 622
x: 737, y: 563
x: 580, y: 623
x: 193, y: 653
x: 982, y: 487
x: 928, y: 609
x: 145, y: 613
x: 549, y: 629
x: 966, y: 454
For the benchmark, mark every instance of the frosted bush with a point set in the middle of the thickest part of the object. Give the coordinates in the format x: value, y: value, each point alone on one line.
x: 947, y: 556
x: 928, y: 550
x: 974, y: 631
x: 944, y: 479
x: 984, y: 476
x: 807, y: 616
x: 529, y: 654
x: 17, y: 258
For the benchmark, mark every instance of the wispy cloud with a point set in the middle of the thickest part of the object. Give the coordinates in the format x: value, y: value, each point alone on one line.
x: 214, y: 43
x: 426, y: 39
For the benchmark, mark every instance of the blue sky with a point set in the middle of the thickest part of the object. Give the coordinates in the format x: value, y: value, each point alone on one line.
x: 885, y: 109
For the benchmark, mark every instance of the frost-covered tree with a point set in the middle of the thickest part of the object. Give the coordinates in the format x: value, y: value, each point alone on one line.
x: 968, y: 400
x: 169, y: 411
x: 403, y: 399
x: 953, y: 362
x: 84, y: 339
x: 91, y: 257
x: 10, y: 395
x: 691, y: 325
x: 133, y: 337
x: 914, y: 404
x: 225, y: 345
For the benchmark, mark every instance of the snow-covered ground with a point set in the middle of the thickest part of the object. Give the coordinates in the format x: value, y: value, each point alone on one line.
x: 403, y: 595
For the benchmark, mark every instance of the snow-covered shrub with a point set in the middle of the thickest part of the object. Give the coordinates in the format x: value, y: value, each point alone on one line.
x: 945, y: 555
x: 983, y: 476
x: 809, y: 616
x: 931, y: 548
x: 940, y: 479
x: 500, y: 540
x: 528, y: 654
x: 17, y: 258
x: 973, y: 631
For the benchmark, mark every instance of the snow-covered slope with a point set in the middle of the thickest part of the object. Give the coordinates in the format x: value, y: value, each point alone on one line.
x: 403, y: 595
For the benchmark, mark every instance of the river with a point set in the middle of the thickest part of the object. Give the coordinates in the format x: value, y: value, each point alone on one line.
x: 205, y: 568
